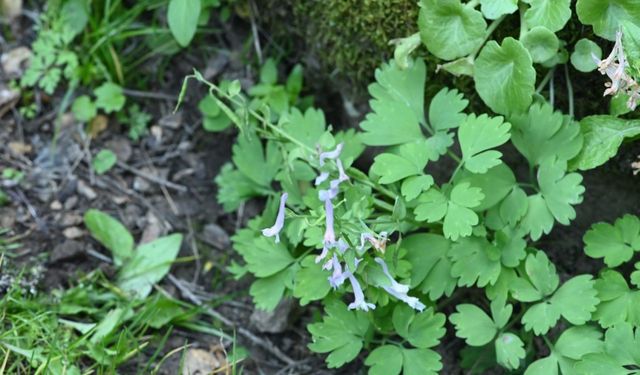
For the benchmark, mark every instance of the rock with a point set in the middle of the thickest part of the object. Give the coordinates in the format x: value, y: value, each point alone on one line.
x: 214, y: 235
x: 141, y: 184
x: 275, y: 321
x: 66, y: 250
x: 8, y: 98
x: 153, y: 229
x: 70, y: 203
x: 15, y: 61
x: 172, y: 120
x: 73, y: 233
x: 121, y: 147
x: 19, y: 148
x: 7, y: 217
x: 55, y: 205
x: 86, y: 191
x: 70, y: 219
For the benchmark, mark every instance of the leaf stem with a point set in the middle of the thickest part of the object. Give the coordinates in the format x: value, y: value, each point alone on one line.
x: 569, y: 90
x: 492, y: 27
x: 545, y: 80
x: 472, y: 3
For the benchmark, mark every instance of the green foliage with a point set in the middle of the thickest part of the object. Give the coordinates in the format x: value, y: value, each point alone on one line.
x: 182, y: 16
x: 104, y: 161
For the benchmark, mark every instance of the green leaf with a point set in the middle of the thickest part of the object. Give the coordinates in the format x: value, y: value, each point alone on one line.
x: 398, y: 99
x: 84, y: 109
x: 560, y: 191
x: 552, y: 14
x: 148, y: 265
x: 111, y: 234
x: 541, y: 43
x: 269, y: 72
x: 392, y: 168
x: 266, y: 257
x: 606, y: 16
x: 307, y: 128
x: 214, y: 119
x: 615, y: 243
x: 631, y: 44
x: 460, y: 219
x: 540, y: 318
x: 493, y: 9
x: 538, y: 219
x: 576, y: 299
x: 450, y: 29
x: 421, y: 362
x: 74, y: 16
x: 430, y: 266
x: 509, y: 350
x: 341, y: 333
x: 473, y: 325
x: 251, y: 160
x: 621, y: 354
x: 109, y: 97
x: 618, y: 303
x: 514, y: 206
x: 182, y: 16
x: 543, y: 133
x: 422, y: 330
x: 479, y: 134
x: 414, y: 185
x: 495, y: 184
x: 432, y: 206
x: 582, y: 56
x: 310, y: 282
x: 268, y: 291
x: 475, y: 261
x: 603, y: 135
x: 464, y: 195
x: 600, y: 363
x: 504, y: 76
x: 445, y: 109
x: 542, y: 274
x: 104, y: 161
x: 385, y: 360
x: 234, y: 188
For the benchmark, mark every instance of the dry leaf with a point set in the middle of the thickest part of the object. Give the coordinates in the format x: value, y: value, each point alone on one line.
x: 11, y: 8
x: 97, y: 125
x: 19, y: 148
x: 15, y: 61
x: 201, y: 362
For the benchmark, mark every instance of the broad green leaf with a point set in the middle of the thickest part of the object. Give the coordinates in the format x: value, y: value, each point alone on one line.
x: 618, y: 303
x: 540, y: 317
x: 214, y: 119
x: 234, y: 188
x: 541, y: 43
x: 543, y: 366
x: 269, y: 72
x: 606, y: 16
x: 422, y: 330
x: 623, y: 344
x: 445, y: 109
x: 504, y: 76
x: 512, y: 246
x: 631, y: 43
x: 392, y: 168
x: 414, y: 185
x: 74, y: 16
x: 182, y: 16
x: 306, y: 128
x: 600, y: 363
x: 430, y: 265
x: 111, y: 234
x: 464, y: 195
x: 450, y: 29
x: 538, y: 219
x: 310, y: 281
x: 576, y: 299
x: 109, y: 97
x: 479, y: 134
x: 543, y: 133
x: 432, y: 206
x: 397, y: 105
x: 514, y: 206
x: 615, y: 243
x: 509, y: 350
x: 108, y: 324
x: 603, y: 135
x: 341, y: 333
x: 84, y: 109
x: 495, y: 184
x: 268, y: 291
x: 404, y: 48
x: 582, y: 56
x: 493, y: 9
x: 552, y: 14
x: 251, y: 160
x: 475, y: 261
x: 542, y: 273
x: 473, y: 325
x: 438, y: 144
x: 385, y: 360
x: 104, y: 161
x: 266, y: 257
x: 459, y: 221
x: 148, y: 265
x: 421, y: 362
x: 560, y: 191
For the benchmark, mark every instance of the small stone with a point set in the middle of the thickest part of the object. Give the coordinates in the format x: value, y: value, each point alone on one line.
x: 20, y: 148
x: 275, y: 321
x: 199, y: 361
x: 70, y: 203
x: 215, y: 236
x: 14, y: 61
x: 172, y: 121
x: 56, y: 205
x: 73, y: 233
x: 120, y: 199
x: 66, y: 250
x: 86, y: 191
x: 70, y: 219
x: 121, y: 147
x: 7, y: 217
x: 141, y: 184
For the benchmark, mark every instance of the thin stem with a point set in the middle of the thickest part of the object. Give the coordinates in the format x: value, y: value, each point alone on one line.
x: 569, y: 90
x: 492, y: 27
x: 382, y: 204
x: 472, y: 3
x: 455, y: 172
x: 545, y: 80
x: 552, y: 91
x: 523, y: 22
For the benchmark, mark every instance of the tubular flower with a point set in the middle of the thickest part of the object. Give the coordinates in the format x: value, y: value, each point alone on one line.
x: 277, y: 226
x: 379, y: 244
x: 331, y: 154
x: 338, y: 277
x: 322, y: 177
x: 359, y: 303
x: 399, y: 290
x: 615, y: 67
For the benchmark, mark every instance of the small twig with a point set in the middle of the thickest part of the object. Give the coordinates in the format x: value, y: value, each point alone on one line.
x: 99, y: 256
x: 263, y: 343
x: 150, y: 95
x: 157, y: 180
x: 254, y: 31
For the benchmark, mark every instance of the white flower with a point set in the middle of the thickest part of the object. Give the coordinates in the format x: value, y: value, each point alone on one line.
x: 277, y: 226
x: 359, y: 303
x: 399, y: 290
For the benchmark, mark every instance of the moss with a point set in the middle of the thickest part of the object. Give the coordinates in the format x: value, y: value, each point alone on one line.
x: 348, y: 38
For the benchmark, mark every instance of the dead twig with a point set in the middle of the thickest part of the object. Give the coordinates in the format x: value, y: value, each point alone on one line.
x: 157, y: 180
x: 263, y: 343
x: 150, y: 95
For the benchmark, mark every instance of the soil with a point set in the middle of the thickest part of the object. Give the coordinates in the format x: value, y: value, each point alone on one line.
x: 46, y: 208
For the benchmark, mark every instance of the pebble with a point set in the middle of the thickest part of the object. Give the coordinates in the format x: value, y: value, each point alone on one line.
x: 215, y: 236
x: 73, y: 233
x: 275, y: 321
x: 86, y: 191
x: 67, y: 249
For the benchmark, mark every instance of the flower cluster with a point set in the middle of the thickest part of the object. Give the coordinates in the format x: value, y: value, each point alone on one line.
x: 615, y: 67
x: 342, y: 272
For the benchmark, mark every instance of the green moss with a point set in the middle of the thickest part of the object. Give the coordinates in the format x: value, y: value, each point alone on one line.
x: 348, y: 38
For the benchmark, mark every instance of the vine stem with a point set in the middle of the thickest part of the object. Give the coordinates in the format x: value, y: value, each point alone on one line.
x: 569, y: 90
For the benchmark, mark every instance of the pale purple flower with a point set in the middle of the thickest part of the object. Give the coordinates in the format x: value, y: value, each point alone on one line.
x: 328, y: 194
x: 331, y: 154
x: 342, y: 246
x: 399, y: 290
x: 338, y: 277
x: 329, y: 234
x: 342, y: 176
x: 277, y: 226
x: 359, y: 303
x: 379, y: 243
x: 322, y: 177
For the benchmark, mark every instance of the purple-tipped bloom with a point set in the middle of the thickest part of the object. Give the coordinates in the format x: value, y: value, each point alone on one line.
x: 338, y: 277
x: 331, y: 154
x: 342, y: 176
x: 322, y: 177
x: 359, y: 303
x: 329, y: 234
x: 399, y: 290
x: 277, y: 226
